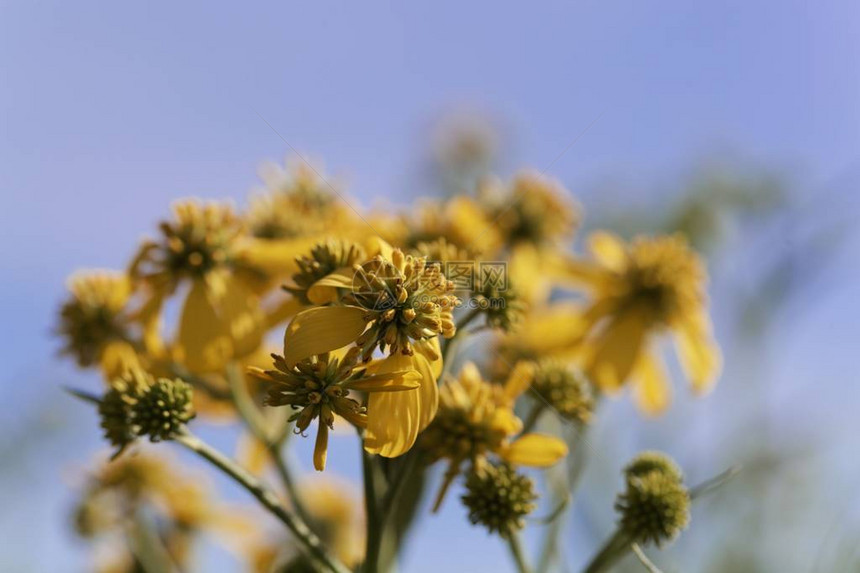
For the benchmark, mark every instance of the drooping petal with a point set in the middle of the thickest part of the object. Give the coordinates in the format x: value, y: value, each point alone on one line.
x: 239, y: 308
x: 321, y: 447
x: 519, y: 379
x: 608, y: 249
x: 617, y: 349
x: 275, y: 257
x: 525, y: 268
x: 322, y: 329
x: 118, y: 358
x: 428, y: 391
x: 430, y: 349
x: 252, y: 454
x: 651, y: 389
x: 698, y: 352
x: 203, y: 341
x: 393, y: 418
x: 535, y: 450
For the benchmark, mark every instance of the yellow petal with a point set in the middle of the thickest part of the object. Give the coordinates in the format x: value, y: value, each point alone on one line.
x: 118, y: 358
x: 321, y: 329
x: 651, y: 389
x: 393, y: 418
x: 535, y: 450
x: 519, y: 379
x: 324, y: 290
x: 617, y: 349
x: 430, y: 349
x: 429, y: 390
x: 252, y: 454
x: 239, y: 309
x: 387, y: 382
x: 698, y: 352
x: 149, y: 316
x: 203, y: 341
x: 525, y: 268
x: 608, y: 249
x: 321, y: 447
x: 376, y: 245
x: 505, y: 421
x: 275, y: 257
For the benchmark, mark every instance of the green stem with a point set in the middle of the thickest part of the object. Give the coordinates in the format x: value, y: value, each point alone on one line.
x: 450, y: 345
x: 149, y: 549
x: 266, y: 497
x: 614, y: 549
x: 533, y: 417
x: 576, y: 467
x: 371, y: 508
x: 517, y: 553
x: 254, y: 421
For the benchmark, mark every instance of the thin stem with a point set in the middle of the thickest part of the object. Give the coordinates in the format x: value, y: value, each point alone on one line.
x: 533, y: 417
x: 614, y: 549
x: 643, y: 559
x: 265, y: 496
x: 517, y: 553
x: 713, y: 483
x: 254, y: 421
x: 576, y: 467
x: 149, y: 549
x: 371, y: 508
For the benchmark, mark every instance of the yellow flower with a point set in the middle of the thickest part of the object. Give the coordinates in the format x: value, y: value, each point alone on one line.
x: 460, y: 221
x: 221, y: 317
x: 319, y: 387
x: 640, y: 290
x: 95, y: 322
x: 535, y: 210
x: 476, y: 419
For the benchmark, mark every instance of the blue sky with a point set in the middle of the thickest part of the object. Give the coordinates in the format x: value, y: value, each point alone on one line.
x: 110, y: 110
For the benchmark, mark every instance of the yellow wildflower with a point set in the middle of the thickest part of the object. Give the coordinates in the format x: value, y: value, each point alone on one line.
x: 319, y: 387
x: 476, y: 419
x: 95, y: 322
x: 221, y: 317
x: 641, y: 289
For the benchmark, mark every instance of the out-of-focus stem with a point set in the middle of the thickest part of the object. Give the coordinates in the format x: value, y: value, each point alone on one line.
x: 516, y: 548
x: 253, y: 420
x: 266, y: 497
x: 614, y: 549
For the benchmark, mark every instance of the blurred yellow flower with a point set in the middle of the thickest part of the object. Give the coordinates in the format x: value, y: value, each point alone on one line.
x: 95, y: 324
x: 641, y: 289
x: 221, y: 317
x: 476, y: 419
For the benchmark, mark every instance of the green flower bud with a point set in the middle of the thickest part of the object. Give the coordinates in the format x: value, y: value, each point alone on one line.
x: 499, y: 498
x: 566, y: 390
x: 655, y: 507
x: 163, y: 409
x: 116, y: 408
x: 651, y: 461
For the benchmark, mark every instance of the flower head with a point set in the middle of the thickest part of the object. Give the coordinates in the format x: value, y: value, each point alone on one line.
x: 405, y: 299
x: 318, y: 388
x: 137, y: 404
x: 201, y: 238
x: 534, y: 211
x: 95, y: 324
x: 498, y: 497
x: 655, y: 506
x: 476, y: 420
x: 641, y: 289
x: 566, y: 390
x: 324, y: 259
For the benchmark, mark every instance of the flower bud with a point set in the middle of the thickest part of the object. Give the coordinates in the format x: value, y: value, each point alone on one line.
x: 163, y: 409
x: 499, y: 498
